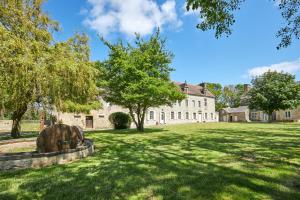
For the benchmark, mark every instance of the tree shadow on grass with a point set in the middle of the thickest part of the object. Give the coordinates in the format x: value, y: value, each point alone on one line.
x: 126, y: 131
x: 167, y: 166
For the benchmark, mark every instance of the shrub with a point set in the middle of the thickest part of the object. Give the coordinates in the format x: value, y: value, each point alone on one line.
x: 120, y: 120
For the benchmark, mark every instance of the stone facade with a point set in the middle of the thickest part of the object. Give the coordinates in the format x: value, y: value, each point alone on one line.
x: 199, y: 106
x: 258, y: 116
x: 239, y: 114
x: 287, y: 115
x: 5, y: 125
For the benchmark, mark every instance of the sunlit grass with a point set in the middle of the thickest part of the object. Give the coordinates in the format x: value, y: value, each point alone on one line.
x: 193, y: 161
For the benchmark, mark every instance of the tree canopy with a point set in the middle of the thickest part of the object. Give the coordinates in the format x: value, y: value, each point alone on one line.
x: 218, y: 15
x: 137, y: 76
x: 274, y: 91
x: 216, y: 90
x: 34, y: 69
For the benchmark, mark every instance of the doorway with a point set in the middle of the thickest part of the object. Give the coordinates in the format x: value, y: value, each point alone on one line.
x: 89, y: 122
x: 200, y: 117
x: 162, y: 118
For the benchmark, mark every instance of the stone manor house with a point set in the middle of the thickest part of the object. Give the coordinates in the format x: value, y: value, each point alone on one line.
x: 199, y: 106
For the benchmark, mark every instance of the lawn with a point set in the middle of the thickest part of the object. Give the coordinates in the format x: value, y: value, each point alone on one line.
x: 195, y: 161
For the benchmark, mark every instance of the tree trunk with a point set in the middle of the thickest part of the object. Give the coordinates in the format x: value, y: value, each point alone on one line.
x: 140, y: 127
x: 139, y: 120
x: 270, y: 117
x: 16, y: 126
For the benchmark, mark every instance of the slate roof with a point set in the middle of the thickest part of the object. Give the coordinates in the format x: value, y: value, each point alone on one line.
x: 196, y: 90
x: 240, y: 109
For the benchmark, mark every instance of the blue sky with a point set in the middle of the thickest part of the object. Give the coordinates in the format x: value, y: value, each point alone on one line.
x: 250, y: 50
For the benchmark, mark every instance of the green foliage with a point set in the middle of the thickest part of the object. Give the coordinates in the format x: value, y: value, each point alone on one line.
x: 35, y: 69
x: 120, y: 120
x: 137, y: 77
x: 231, y: 95
x: 274, y: 91
x: 219, y: 16
x: 216, y: 90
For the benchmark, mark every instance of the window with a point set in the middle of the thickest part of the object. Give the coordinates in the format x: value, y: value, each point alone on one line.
x: 179, y: 103
x: 172, y: 115
x: 205, y: 102
x: 195, y: 116
x: 254, y: 115
x: 101, y: 116
x: 211, y: 115
x: 187, y: 115
x: 151, y: 115
x: 288, y: 114
x: 77, y: 116
x: 194, y: 103
x: 186, y: 103
x: 199, y: 104
x: 205, y: 115
x: 179, y: 115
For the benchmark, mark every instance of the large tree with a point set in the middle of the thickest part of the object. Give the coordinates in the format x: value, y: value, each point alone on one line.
x: 34, y: 70
x: 216, y: 89
x: 231, y: 95
x: 137, y: 77
x: 219, y: 16
x: 274, y: 91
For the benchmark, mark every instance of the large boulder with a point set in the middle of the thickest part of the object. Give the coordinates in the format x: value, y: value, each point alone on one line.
x: 59, y: 137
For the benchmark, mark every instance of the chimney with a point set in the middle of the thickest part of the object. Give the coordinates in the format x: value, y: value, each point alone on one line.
x: 204, y: 86
x: 185, y: 87
x: 246, y: 88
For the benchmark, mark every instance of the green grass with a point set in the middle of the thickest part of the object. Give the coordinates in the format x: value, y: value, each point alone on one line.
x: 26, y: 126
x: 195, y: 161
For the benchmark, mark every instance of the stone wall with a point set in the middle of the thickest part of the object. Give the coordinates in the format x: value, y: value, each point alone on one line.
x: 36, y: 160
x: 5, y: 125
x: 236, y: 117
x: 288, y: 115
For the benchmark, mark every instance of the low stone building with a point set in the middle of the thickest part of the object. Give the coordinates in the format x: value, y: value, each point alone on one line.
x: 239, y: 114
x: 292, y: 115
x: 199, y: 106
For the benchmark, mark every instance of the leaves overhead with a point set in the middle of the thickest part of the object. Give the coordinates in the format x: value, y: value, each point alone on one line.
x: 218, y: 15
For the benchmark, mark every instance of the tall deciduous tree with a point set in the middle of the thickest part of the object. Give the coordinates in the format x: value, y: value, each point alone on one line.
x: 219, y: 16
x: 231, y: 95
x: 137, y: 77
x: 216, y: 89
x: 274, y: 91
x: 35, y: 70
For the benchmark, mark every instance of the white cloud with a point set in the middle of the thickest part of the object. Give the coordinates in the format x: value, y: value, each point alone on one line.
x: 130, y: 16
x: 290, y: 67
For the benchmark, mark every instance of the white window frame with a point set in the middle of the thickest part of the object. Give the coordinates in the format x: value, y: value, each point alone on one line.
x: 187, y: 115
x: 151, y: 118
x: 172, y: 115
x: 179, y: 114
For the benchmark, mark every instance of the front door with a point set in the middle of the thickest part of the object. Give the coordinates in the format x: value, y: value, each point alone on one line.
x: 230, y: 119
x: 200, y: 117
x: 89, y: 121
x: 162, y: 118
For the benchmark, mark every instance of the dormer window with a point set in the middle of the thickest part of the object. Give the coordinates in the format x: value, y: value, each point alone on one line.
x: 186, y: 89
